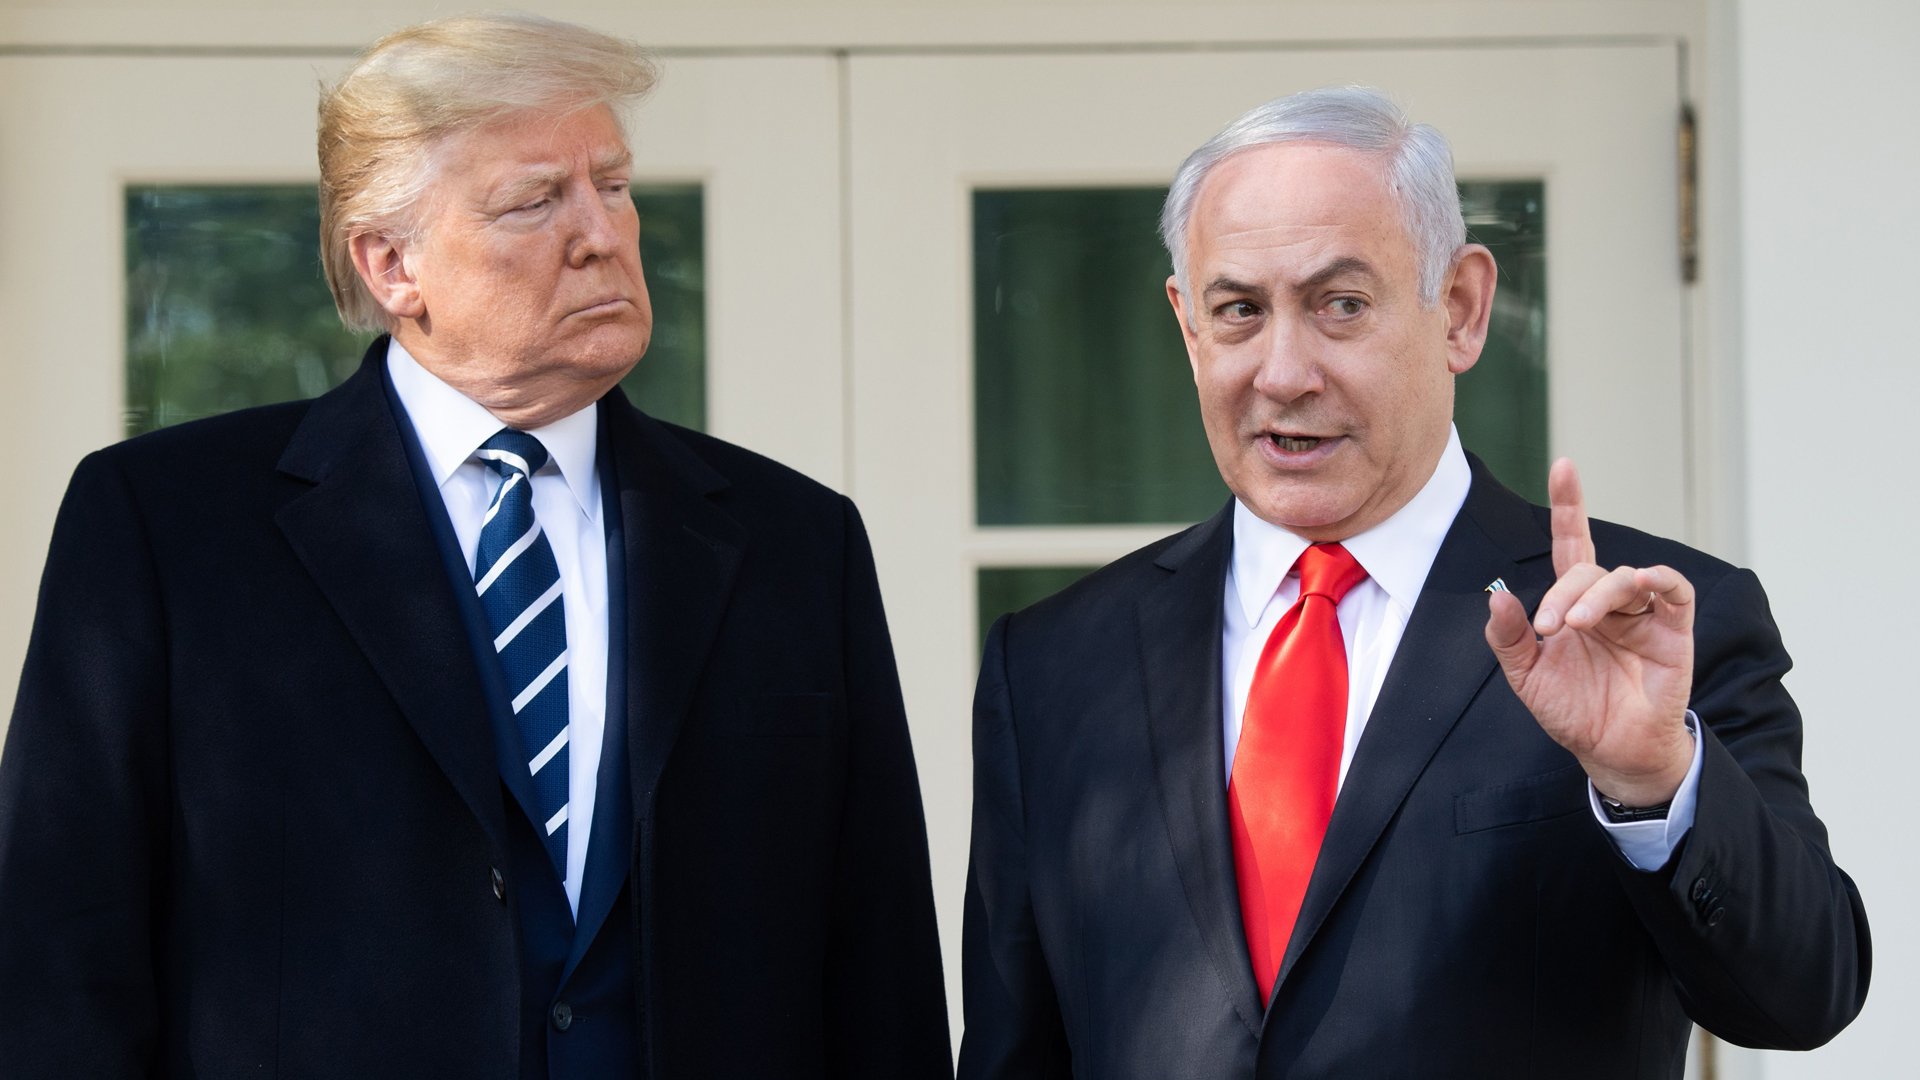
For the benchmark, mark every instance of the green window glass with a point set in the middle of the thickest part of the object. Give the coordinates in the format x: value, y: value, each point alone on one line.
x: 1001, y: 589
x: 1084, y: 406
x: 1500, y: 406
x: 227, y: 307
x: 670, y: 382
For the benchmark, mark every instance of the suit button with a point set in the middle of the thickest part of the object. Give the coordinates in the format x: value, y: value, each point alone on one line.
x: 499, y: 886
x: 563, y: 1016
x: 1714, y: 916
x: 1700, y: 890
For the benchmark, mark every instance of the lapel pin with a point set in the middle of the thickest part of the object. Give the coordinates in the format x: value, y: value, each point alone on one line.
x: 1498, y: 585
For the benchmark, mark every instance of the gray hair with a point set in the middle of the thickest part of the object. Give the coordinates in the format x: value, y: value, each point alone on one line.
x: 1418, y: 167
x: 417, y: 87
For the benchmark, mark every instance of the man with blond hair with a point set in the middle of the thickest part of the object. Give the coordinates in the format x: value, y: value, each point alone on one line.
x: 465, y: 721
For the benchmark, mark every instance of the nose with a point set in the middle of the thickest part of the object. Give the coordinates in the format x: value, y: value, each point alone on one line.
x: 596, y: 232
x: 1290, y: 363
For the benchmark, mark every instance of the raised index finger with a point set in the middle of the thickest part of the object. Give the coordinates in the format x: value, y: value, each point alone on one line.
x: 1572, y: 540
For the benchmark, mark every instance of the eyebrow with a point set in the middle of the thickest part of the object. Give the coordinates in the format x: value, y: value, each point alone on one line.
x: 1229, y: 285
x: 544, y: 177
x: 613, y: 162
x: 521, y: 186
x: 1346, y: 266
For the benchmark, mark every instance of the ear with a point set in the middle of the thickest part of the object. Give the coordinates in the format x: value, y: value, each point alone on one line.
x: 387, y: 273
x: 1184, y: 317
x: 1468, y: 299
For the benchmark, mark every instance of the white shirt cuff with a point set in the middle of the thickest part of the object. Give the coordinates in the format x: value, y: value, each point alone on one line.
x: 1649, y: 844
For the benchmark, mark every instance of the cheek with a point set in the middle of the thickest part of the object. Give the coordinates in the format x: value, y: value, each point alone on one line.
x: 1414, y: 394
x: 1223, y: 371
x: 1223, y: 414
x: 1218, y: 394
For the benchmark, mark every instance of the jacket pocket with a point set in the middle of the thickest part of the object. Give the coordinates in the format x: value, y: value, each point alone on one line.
x: 1516, y: 802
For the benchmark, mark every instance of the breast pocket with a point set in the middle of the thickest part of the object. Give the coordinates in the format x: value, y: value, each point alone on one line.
x: 1517, y: 802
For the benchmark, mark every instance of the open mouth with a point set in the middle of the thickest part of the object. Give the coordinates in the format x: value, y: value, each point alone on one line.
x: 1294, y: 444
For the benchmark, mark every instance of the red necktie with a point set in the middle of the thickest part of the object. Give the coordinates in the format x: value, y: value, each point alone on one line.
x: 1287, y: 764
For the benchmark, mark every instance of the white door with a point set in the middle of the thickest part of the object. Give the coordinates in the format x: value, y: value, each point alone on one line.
x: 840, y: 198
x: 758, y: 137
x: 937, y: 143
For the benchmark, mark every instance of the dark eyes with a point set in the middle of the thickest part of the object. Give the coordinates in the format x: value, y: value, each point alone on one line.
x: 1340, y: 307
x: 612, y: 188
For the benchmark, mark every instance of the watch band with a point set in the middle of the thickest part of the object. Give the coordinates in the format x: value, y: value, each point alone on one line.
x: 1620, y: 813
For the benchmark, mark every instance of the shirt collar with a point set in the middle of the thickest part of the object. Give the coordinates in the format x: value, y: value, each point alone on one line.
x: 1397, y: 553
x: 452, y: 426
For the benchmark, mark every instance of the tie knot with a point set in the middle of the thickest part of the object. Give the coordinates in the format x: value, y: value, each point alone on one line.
x: 510, y: 451
x: 1329, y: 570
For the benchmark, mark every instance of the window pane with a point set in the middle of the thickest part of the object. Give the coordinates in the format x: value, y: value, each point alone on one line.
x: 1500, y: 405
x: 1084, y: 409
x: 670, y: 382
x: 226, y: 305
x: 1009, y: 588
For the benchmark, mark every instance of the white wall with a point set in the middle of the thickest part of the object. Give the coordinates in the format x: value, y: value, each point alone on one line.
x: 1810, y: 237
x: 1829, y: 228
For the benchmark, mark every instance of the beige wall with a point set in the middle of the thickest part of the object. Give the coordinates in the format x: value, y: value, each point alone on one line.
x: 739, y: 24
x: 1828, y: 154
x: 66, y: 398
x: 1802, y: 376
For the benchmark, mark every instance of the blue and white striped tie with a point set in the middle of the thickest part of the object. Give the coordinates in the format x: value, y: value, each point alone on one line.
x: 519, y: 587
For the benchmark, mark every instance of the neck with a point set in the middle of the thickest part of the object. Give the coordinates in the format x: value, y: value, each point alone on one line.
x: 521, y: 399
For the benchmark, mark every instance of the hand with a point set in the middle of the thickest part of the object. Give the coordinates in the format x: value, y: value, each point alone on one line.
x: 1609, y: 676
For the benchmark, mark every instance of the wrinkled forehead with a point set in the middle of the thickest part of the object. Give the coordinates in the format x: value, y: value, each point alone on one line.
x: 1296, y: 186
x: 589, y: 135
x: 1282, y: 214
x: 537, y: 127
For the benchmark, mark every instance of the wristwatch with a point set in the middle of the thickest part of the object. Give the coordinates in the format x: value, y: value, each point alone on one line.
x: 1620, y: 813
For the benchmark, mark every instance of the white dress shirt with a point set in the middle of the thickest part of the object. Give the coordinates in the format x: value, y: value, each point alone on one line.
x: 1397, y: 553
x: 566, y: 501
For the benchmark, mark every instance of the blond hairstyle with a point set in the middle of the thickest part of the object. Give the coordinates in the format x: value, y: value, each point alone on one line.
x: 415, y: 88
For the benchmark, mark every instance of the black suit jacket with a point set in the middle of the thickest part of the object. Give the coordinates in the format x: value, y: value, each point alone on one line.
x: 251, y: 816
x: 1467, y: 917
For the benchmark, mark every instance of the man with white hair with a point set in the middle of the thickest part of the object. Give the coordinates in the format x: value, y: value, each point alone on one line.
x: 1254, y: 802
x: 465, y: 721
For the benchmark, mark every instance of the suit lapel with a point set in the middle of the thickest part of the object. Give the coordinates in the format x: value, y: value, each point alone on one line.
x: 610, y: 843
x: 363, y: 535
x: 1179, y: 623
x: 682, y: 551
x: 1442, y: 663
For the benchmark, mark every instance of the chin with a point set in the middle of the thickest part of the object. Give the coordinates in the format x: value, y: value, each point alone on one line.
x: 605, y: 354
x: 1318, y: 519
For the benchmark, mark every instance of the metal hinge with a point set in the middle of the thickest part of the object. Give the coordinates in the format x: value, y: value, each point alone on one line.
x: 1689, y: 147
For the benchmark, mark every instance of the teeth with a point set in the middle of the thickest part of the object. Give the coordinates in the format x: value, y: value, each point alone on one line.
x: 1296, y: 445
